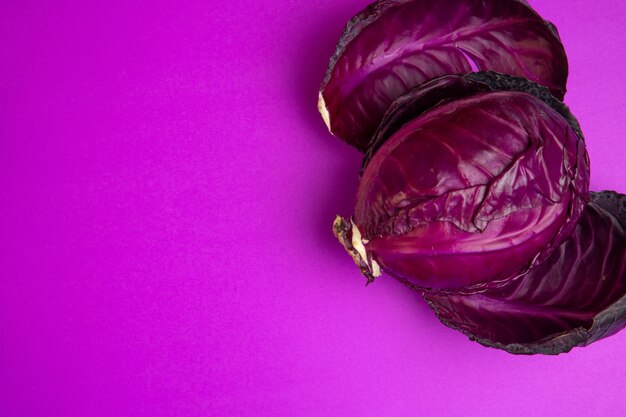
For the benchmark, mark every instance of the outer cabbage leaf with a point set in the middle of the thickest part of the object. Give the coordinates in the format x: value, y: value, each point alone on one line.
x: 573, y: 298
x: 394, y: 45
x: 454, y: 87
x: 474, y: 190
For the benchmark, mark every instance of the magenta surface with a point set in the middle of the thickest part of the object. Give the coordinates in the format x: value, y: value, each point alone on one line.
x: 167, y: 195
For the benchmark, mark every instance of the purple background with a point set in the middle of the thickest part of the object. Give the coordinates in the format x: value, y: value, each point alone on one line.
x: 167, y: 190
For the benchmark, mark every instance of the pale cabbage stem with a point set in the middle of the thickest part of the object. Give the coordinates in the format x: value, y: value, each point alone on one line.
x: 359, y: 245
x: 321, y: 107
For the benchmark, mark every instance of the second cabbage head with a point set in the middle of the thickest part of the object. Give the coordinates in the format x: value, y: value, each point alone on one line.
x: 472, y: 190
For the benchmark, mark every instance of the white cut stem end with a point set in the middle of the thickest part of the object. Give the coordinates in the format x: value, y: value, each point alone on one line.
x: 321, y: 107
x: 358, y: 243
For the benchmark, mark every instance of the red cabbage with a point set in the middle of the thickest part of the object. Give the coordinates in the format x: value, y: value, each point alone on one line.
x: 394, y: 45
x: 473, y: 190
x: 573, y: 298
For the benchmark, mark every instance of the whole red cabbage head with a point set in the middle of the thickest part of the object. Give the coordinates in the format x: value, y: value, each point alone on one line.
x: 468, y: 181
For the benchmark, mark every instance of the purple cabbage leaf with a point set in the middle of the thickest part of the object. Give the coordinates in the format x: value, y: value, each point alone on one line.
x: 394, y: 45
x: 475, y: 190
x: 573, y: 298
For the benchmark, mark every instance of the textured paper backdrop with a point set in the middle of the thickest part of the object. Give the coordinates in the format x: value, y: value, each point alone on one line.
x: 166, y: 197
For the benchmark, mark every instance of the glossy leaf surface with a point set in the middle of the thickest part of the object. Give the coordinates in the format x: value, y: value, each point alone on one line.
x: 472, y: 191
x: 394, y: 45
x: 573, y: 298
x: 454, y: 87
